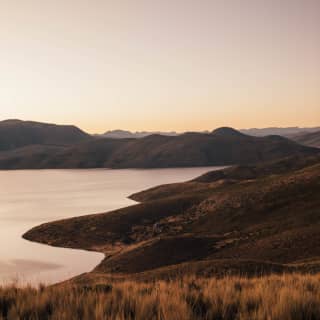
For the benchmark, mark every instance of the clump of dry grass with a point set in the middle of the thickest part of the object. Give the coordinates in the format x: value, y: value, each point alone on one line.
x: 286, y: 297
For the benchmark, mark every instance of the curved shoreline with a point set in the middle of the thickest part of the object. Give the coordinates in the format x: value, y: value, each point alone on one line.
x: 230, y: 214
x: 107, y: 251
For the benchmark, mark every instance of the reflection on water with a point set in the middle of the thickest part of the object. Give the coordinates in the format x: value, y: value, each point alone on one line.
x: 29, y: 198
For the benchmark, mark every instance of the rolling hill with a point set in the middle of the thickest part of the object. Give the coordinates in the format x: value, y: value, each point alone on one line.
x: 17, y: 134
x: 223, y: 146
x: 309, y: 139
x: 248, y: 219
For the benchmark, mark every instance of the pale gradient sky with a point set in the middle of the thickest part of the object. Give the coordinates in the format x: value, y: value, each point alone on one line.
x: 161, y: 65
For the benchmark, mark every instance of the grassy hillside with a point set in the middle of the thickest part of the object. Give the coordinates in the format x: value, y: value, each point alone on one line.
x: 266, y: 216
x: 224, y: 146
x: 286, y: 297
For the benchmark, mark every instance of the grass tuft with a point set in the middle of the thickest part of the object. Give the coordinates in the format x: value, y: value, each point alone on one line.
x: 286, y: 297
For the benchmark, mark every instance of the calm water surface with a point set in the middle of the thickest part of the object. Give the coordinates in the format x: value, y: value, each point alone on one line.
x: 29, y: 198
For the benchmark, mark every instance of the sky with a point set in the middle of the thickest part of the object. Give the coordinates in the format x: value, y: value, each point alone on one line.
x: 161, y: 65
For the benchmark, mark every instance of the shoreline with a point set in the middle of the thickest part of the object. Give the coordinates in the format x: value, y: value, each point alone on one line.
x: 103, y: 251
x: 194, y: 227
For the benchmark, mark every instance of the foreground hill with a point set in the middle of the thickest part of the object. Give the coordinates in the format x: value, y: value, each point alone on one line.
x: 16, y: 134
x: 247, y: 219
x: 224, y: 146
x: 309, y: 139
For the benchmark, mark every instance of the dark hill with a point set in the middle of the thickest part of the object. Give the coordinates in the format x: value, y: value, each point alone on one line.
x: 196, y: 149
x: 224, y: 146
x: 16, y: 134
x: 260, y: 216
x: 227, y: 131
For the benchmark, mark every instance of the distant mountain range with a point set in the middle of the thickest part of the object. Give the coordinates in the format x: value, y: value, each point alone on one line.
x: 31, y: 145
x: 311, y: 139
x: 261, y: 132
x: 305, y: 136
x: 285, y: 132
x: 124, y: 134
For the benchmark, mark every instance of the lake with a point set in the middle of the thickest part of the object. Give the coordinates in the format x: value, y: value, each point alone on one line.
x: 31, y: 197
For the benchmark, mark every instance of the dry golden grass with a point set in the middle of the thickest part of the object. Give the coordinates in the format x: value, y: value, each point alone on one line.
x: 286, y: 297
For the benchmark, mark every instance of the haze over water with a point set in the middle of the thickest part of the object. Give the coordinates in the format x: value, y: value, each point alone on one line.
x: 29, y: 198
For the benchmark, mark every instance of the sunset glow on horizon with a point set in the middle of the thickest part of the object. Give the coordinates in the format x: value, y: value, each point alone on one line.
x: 161, y: 65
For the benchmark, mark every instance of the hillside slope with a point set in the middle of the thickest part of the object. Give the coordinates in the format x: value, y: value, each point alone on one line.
x: 16, y: 134
x: 309, y: 139
x: 224, y: 146
x: 266, y: 221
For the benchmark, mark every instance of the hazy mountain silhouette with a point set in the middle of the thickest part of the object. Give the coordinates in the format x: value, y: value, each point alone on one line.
x: 124, y: 134
x: 258, y: 132
x: 286, y: 132
x: 223, y: 146
x: 311, y: 139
